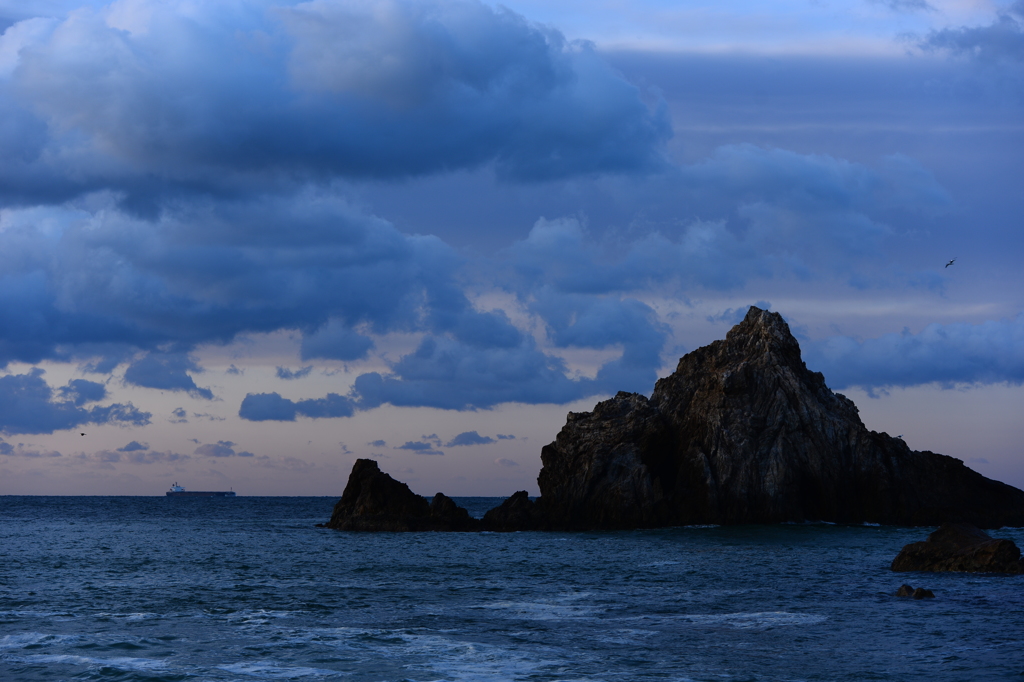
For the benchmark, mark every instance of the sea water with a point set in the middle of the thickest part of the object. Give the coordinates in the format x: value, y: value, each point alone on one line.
x: 150, y: 589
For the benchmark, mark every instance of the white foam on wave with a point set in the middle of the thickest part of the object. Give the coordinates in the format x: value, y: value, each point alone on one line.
x: 458, y: 660
x: 25, y: 639
x: 539, y: 610
x: 259, y: 616
x: 64, y: 615
x: 273, y: 670
x: 763, y: 619
x: 627, y: 636
x: 437, y: 657
x: 131, y: 617
x: 121, y: 663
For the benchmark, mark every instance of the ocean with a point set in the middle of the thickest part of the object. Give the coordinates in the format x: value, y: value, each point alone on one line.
x: 160, y: 589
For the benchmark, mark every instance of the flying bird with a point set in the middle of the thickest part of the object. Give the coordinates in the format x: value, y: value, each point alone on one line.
x: 950, y: 262
x: 81, y: 434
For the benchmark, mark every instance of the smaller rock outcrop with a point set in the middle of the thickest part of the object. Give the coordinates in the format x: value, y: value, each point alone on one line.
x: 373, y: 501
x: 960, y: 547
x: 444, y: 512
x: 919, y: 593
x: 518, y: 512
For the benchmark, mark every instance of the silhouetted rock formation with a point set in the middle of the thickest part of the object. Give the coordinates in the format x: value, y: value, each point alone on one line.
x: 960, y: 547
x: 373, y: 501
x: 518, y: 512
x: 743, y: 432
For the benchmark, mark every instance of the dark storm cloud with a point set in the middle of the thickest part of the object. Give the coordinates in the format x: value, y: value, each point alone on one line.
x: 904, y: 5
x: 135, y: 455
x: 167, y: 371
x: 200, y: 156
x: 272, y: 407
x: 207, y: 271
x: 992, y: 352
x: 450, y: 375
x: 223, y: 96
x: 791, y: 215
x: 420, y: 447
x: 27, y: 405
x: 1001, y: 40
x: 153, y: 457
x: 222, y: 448
x: 287, y: 374
x: 469, y: 438
x: 576, y: 321
x: 772, y: 213
x: 27, y: 451
x: 333, y: 341
x: 80, y: 392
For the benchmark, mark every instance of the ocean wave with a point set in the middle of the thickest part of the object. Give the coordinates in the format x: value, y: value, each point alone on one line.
x: 120, y: 663
x: 276, y: 671
x: 460, y: 660
x: 539, y: 610
x: 26, y: 639
x: 37, y: 614
x: 764, y: 619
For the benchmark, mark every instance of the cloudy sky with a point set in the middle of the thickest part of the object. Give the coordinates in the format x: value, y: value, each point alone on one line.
x: 243, y: 243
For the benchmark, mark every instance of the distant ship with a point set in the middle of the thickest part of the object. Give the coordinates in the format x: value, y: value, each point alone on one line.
x: 177, y: 491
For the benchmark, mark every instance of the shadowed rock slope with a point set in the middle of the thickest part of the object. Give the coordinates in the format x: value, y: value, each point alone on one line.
x: 743, y: 432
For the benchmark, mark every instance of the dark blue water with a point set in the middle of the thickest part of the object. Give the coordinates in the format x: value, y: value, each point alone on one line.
x: 95, y: 588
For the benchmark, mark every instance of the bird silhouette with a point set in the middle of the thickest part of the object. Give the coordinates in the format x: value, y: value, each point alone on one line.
x: 950, y: 262
x: 81, y: 434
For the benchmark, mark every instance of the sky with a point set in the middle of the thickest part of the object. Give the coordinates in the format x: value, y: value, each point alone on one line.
x: 244, y: 243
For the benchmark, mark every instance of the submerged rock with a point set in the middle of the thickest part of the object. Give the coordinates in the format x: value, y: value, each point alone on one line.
x: 373, y: 501
x: 960, y: 547
x: 919, y: 593
x: 743, y: 432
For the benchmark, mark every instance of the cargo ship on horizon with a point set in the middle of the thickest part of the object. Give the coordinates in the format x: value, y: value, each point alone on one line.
x: 177, y: 491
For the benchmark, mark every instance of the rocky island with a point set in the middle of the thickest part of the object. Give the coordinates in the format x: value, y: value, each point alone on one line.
x: 962, y: 548
x: 741, y: 432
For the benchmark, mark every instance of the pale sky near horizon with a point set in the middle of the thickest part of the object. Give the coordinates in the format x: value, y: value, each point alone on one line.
x: 244, y: 243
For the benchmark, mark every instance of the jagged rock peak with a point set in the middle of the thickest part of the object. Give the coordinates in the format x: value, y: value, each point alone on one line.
x: 743, y: 432
x: 762, y: 331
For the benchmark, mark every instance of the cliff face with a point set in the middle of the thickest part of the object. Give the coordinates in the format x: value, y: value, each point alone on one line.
x: 743, y: 432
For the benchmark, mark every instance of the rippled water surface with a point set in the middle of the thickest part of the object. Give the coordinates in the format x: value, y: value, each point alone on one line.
x: 122, y: 588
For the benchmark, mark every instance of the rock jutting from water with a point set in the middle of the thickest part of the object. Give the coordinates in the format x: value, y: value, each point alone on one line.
x: 960, y: 547
x: 741, y: 432
x: 919, y: 593
x: 373, y: 501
